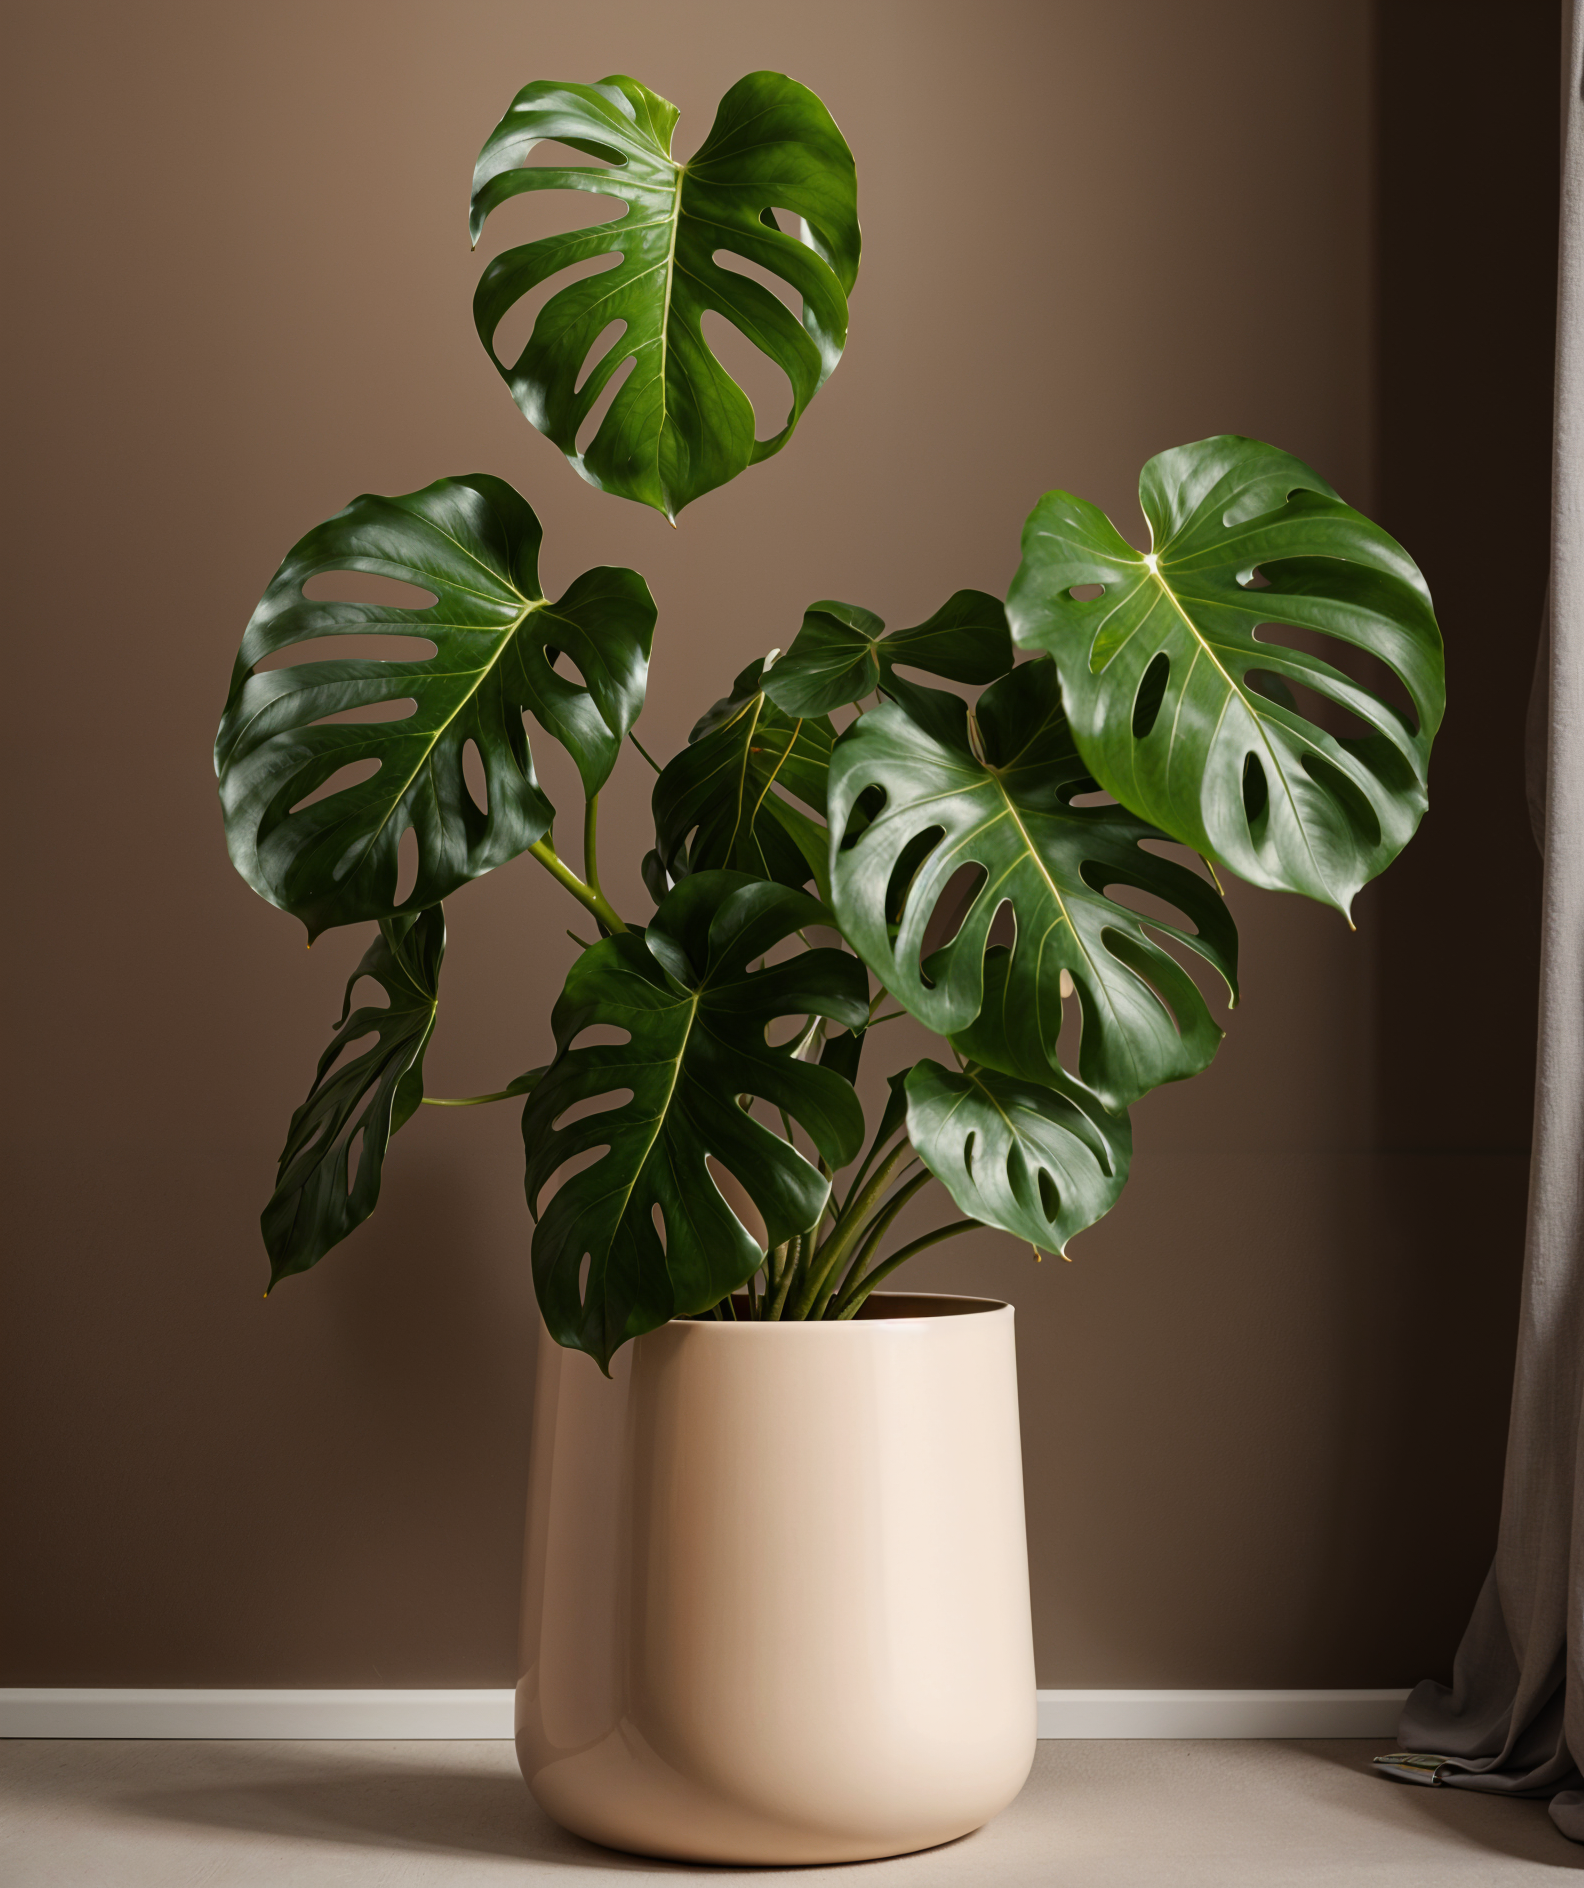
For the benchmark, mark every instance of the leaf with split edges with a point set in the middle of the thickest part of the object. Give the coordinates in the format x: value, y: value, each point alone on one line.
x: 473, y: 543
x: 1178, y: 683
x: 679, y: 425
x: 694, y: 1008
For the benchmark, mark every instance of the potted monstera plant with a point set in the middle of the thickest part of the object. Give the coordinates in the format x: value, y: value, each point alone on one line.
x: 776, y: 1601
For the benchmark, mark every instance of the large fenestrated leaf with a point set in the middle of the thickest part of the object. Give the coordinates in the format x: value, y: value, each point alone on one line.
x: 474, y: 544
x: 1040, y: 1161
x: 722, y: 801
x: 1010, y: 813
x: 842, y: 653
x: 316, y: 1203
x: 695, y: 1011
x: 1167, y: 673
x: 680, y: 424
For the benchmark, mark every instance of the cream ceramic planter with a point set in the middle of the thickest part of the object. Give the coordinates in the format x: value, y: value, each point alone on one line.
x: 775, y: 1603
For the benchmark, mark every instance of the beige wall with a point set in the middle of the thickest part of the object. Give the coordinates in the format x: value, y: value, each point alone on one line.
x: 1264, y: 1403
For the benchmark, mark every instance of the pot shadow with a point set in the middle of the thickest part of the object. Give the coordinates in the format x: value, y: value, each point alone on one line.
x: 432, y: 1808
x: 1519, y: 1827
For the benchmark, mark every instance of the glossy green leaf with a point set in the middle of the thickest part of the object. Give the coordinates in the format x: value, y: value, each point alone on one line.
x: 721, y: 802
x: 679, y: 425
x: 1011, y: 814
x: 1039, y: 1161
x: 695, y: 1011
x: 1177, y: 674
x: 841, y: 653
x: 318, y: 1199
x: 472, y: 543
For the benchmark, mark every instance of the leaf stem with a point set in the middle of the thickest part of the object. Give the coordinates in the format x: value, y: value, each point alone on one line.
x: 590, y: 897
x: 644, y: 751
x: 848, y: 1229
x: 874, y: 1232
x: 847, y: 1307
x: 791, y: 1266
x: 868, y: 1161
x: 471, y: 1101
x: 591, y: 844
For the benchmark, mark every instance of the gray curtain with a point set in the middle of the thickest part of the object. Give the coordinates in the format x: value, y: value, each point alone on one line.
x: 1513, y: 1717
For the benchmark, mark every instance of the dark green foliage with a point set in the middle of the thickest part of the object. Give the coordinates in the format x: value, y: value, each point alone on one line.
x: 1011, y: 814
x: 680, y: 425
x: 841, y: 653
x: 1177, y: 674
x: 317, y: 1201
x: 474, y: 544
x: 694, y: 1011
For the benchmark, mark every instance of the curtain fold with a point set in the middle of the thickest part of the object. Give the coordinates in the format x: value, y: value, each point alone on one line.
x: 1513, y: 1717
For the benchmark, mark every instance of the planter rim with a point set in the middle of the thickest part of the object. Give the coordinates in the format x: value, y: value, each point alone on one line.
x: 963, y: 1304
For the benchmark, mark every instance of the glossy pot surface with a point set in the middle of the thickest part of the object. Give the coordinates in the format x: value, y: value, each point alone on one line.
x: 776, y: 1603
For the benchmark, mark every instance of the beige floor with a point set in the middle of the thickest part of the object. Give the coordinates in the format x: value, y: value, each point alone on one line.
x: 1094, y: 1815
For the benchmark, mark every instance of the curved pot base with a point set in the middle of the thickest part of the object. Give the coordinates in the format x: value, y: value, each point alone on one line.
x: 625, y: 1800
x: 775, y: 1604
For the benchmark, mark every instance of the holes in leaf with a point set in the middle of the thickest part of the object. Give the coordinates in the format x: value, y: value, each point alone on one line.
x: 1134, y: 898
x: 563, y: 664
x: 406, y: 866
x: 867, y: 808
x: 1050, y: 1198
x: 367, y: 586
x: 585, y: 1265
x: 1256, y: 798
x: 474, y: 777
x: 657, y: 1220
x: 353, y: 774
x: 599, y: 351
x: 551, y: 153
x: 351, y: 1047
x: 737, y: 1197
x: 906, y: 869
x: 1361, y: 667
x: 1255, y: 580
x: 968, y: 1153
x: 600, y: 1036
x: 515, y: 328
x: 1360, y: 814
x: 347, y: 649
x: 952, y: 907
x: 777, y: 285
x: 594, y: 419
x: 761, y: 379
x: 1267, y: 683
x: 1151, y: 693
x: 1086, y: 592
x: 369, y: 713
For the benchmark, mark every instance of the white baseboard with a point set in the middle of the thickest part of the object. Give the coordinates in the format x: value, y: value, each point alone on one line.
x: 446, y: 1714
x: 359, y: 1714
x: 1219, y: 1713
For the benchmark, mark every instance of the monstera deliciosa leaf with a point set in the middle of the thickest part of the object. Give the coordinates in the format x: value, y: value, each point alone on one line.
x: 679, y: 425
x: 720, y: 803
x: 1177, y: 674
x: 1040, y: 1161
x: 474, y: 544
x: 1010, y: 813
x: 695, y: 1009
x: 316, y: 1202
x: 842, y: 653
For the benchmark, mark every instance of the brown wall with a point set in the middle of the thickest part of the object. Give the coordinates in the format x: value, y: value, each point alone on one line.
x: 1264, y: 1404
